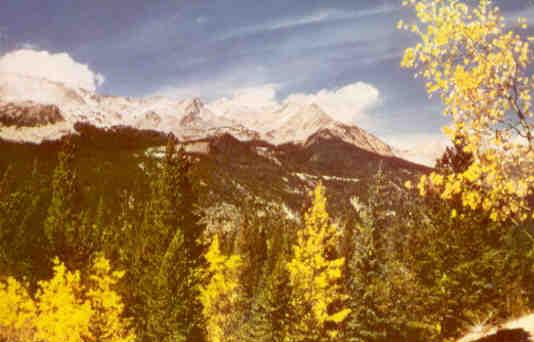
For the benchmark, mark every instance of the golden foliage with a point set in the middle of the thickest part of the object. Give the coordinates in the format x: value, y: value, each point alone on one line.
x: 17, y: 311
x: 65, y: 309
x: 220, y: 297
x: 314, y: 275
x: 480, y: 68
x: 107, y: 323
x: 62, y: 313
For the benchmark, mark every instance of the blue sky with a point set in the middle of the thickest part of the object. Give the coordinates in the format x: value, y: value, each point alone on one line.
x: 210, y: 48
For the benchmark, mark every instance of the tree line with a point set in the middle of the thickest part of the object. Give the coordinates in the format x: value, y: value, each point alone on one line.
x: 399, y: 267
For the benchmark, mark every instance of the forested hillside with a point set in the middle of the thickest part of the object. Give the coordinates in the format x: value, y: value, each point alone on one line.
x: 243, y: 241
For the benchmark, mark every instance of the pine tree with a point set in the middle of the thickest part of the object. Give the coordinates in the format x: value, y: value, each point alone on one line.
x: 385, y: 296
x: 471, y: 270
x: 269, y: 317
x: 69, y: 226
x: 251, y: 244
x: 366, y: 266
x: 59, y: 225
x: 314, y: 276
x: 163, y: 253
x: 22, y: 241
x: 192, y: 250
x: 158, y: 259
x: 367, y: 321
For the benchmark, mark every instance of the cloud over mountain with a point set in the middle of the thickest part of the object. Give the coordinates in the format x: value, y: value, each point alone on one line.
x: 255, y: 97
x: 57, y: 67
x: 423, y: 148
x: 348, y: 104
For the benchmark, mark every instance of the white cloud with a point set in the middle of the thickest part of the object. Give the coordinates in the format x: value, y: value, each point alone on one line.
x: 322, y: 15
x: 204, y: 89
x: 317, y: 17
x: 422, y: 148
x: 349, y: 104
x: 219, y: 85
x: 256, y: 97
x: 58, y: 67
x: 247, y: 104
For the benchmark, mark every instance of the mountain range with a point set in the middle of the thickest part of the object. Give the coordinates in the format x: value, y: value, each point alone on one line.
x: 276, y: 152
x: 35, y: 110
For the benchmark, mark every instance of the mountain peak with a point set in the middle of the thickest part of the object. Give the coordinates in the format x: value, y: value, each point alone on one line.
x: 188, y: 119
x: 29, y: 114
x: 193, y: 106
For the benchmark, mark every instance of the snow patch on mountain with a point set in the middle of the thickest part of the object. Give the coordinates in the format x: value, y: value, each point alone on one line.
x: 293, y: 121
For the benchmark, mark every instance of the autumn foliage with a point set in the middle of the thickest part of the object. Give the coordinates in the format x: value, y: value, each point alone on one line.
x: 314, y: 276
x: 480, y: 66
x: 66, y: 307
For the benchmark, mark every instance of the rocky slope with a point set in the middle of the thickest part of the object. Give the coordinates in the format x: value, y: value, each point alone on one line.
x: 34, y: 110
x: 29, y: 114
x: 228, y: 169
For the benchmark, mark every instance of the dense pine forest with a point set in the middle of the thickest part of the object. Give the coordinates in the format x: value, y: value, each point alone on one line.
x: 396, y: 267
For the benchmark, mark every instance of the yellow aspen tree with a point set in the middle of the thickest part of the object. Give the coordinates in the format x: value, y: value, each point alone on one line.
x: 65, y: 308
x: 62, y: 313
x: 17, y: 312
x: 480, y: 66
x: 317, y: 302
x: 221, y: 296
x: 107, y: 323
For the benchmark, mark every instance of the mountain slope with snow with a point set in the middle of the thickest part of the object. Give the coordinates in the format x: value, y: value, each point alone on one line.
x: 34, y: 110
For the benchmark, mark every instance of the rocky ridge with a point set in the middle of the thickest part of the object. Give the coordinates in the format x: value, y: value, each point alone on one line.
x: 35, y: 110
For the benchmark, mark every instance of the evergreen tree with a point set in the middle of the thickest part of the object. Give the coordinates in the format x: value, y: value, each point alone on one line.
x: 470, y: 271
x: 157, y: 243
x: 269, y: 317
x: 163, y: 255
x: 59, y: 226
x: 69, y: 226
x: 22, y: 241
x: 271, y: 311
x: 251, y: 244
x: 367, y: 321
x: 314, y: 276
x: 193, y: 248
x: 385, y: 295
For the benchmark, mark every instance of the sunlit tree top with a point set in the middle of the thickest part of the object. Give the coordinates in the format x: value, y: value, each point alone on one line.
x: 479, y: 65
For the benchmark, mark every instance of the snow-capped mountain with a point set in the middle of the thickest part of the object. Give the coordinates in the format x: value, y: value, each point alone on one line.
x: 34, y: 110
